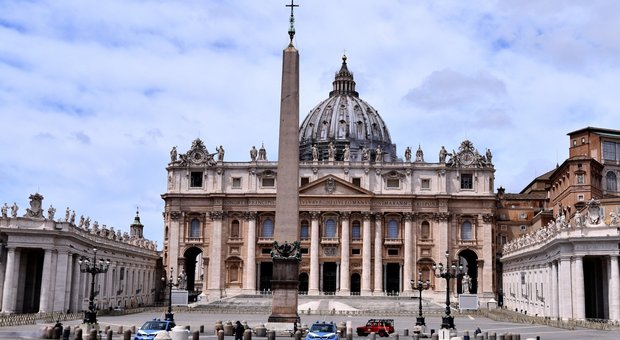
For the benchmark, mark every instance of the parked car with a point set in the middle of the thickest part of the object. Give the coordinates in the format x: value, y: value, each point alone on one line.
x: 322, y: 330
x: 150, y: 329
x: 381, y: 327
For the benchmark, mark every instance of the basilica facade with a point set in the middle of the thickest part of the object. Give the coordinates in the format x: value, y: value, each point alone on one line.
x: 370, y: 221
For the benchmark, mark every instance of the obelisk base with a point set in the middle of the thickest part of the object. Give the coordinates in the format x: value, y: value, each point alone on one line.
x: 284, y: 287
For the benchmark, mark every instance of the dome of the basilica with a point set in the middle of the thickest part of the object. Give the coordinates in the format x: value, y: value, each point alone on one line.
x: 344, y: 120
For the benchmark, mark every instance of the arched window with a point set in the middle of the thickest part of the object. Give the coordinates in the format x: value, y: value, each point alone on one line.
x: 304, y: 231
x: 194, y: 228
x: 330, y: 228
x: 611, y: 181
x: 392, y: 229
x: 466, y: 231
x: 267, y: 231
x: 356, y: 231
x: 234, y: 229
x: 425, y: 230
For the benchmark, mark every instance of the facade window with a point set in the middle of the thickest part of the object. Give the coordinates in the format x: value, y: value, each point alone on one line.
x: 194, y: 228
x: 467, y: 181
x: 523, y: 216
x: 574, y: 142
x: 357, y: 181
x: 330, y: 228
x: 580, y: 179
x: 393, y: 183
x: 522, y: 227
x: 267, y: 231
x: 355, y: 251
x: 612, y: 184
x: 234, y: 229
x: 195, y: 179
x: 268, y: 182
x: 392, y: 251
x: 502, y: 239
x: 236, y: 182
x: 304, y: 231
x: 426, y: 183
x: 304, y: 181
x: 425, y: 230
x: 609, y: 151
x: 467, y: 232
x: 356, y: 231
x: 583, y: 140
x: 392, y: 229
x: 580, y: 198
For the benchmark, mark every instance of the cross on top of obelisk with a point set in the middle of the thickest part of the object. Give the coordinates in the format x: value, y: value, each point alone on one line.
x: 291, y: 30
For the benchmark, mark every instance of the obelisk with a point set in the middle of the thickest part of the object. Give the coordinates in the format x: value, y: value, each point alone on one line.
x: 286, y: 253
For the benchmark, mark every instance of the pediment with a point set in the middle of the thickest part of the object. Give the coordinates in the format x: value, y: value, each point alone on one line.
x: 332, y: 185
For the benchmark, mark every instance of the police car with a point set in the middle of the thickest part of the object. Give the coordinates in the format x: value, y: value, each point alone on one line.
x: 150, y: 329
x: 322, y: 330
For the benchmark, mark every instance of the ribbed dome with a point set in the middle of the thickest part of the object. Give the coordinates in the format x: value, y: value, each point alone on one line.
x: 344, y: 119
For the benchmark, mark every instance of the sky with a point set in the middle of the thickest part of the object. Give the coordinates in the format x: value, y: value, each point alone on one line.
x: 94, y: 94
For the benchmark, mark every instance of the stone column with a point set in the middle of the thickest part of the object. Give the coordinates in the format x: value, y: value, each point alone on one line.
x: 614, y: 289
x: 441, y: 237
x: 553, y: 289
x: 175, y: 220
x: 205, y: 275
x: 9, y: 293
x: 565, y: 289
x: 579, y: 304
x: 313, y: 285
x: 215, y: 256
x: 60, y: 283
x: 345, y: 276
x: 378, y: 272
x: 366, y: 255
x: 69, y: 279
x: 75, y: 286
x: 46, y: 287
x: 408, y: 260
x: 250, y: 267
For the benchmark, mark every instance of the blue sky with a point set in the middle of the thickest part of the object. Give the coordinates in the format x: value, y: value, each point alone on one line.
x: 93, y: 94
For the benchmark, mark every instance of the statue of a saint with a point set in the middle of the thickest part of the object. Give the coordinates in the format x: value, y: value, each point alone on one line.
x: 72, y: 218
x: 182, y: 283
x: 331, y: 153
x: 253, y: 153
x: 5, y: 209
x: 173, y: 154
x: 67, y: 214
x: 220, y: 153
x: 50, y: 212
x: 365, y: 156
x: 408, y: 154
x: 87, y: 223
x: 315, y: 153
x: 442, y: 154
x: 489, y: 156
x: 14, y: 210
x: 466, y: 284
x: 346, y: 153
x: 262, y: 153
x: 378, y: 154
x: 81, y: 223
x: 419, y: 155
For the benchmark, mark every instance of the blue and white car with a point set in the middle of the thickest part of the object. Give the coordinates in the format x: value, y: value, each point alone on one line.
x: 322, y: 330
x: 150, y: 329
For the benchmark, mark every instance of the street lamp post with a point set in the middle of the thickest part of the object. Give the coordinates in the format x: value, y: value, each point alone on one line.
x: 420, y: 286
x: 169, y: 283
x: 95, y: 267
x: 448, y: 272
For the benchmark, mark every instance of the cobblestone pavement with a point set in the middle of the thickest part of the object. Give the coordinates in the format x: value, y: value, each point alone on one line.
x: 196, y: 319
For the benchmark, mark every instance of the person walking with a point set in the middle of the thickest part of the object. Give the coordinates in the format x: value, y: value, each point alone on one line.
x: 239, y: 329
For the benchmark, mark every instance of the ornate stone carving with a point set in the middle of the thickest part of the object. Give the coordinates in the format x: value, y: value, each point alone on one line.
x: 36, y: 201
x: 488, y: 218
x: 217, y: 215
x: 467, y: 156
x: 408, y: 216
x: 442, y: 216
x: 594, y: 211
x: 286, y: 250
x: 330, y: 185
x: 175, y: 215
x: 250, y: 215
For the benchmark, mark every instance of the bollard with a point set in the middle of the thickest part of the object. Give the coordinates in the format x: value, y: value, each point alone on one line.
x: 349, y: 336
x: 297, y: 335
x: 492, y: 336
x: 247, y: 334
x: 228, y: 328
x: 261, y: 331
x: 435, y: 336
x: 92, y: 335
x: 466, y: 335
x: 406, y: 332
x: 416, y: 336
x: 373, y: 336
x: 66, y: 334
x: 395, y: 336
x: 218, y: 326
x: 78, y: 334
x: 127, y: 335
x: 109, y: 334
x: 479, y: 336
x: 49, y: 332
x: 56, y: 332
x: 196, y: 335
x: 202, y: 329
x: 133, y: 328
x: 120, y: 330
x: 271, y: 335
x: 220, y: 334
